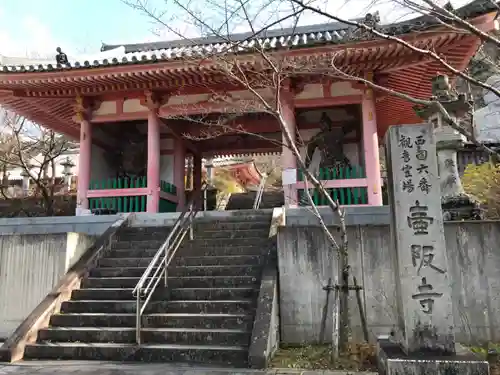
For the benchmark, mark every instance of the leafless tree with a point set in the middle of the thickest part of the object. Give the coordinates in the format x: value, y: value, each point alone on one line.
x: 269, y: 76
x: 34, y: 150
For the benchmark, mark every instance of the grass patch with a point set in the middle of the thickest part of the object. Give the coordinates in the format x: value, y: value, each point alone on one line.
x: 359, y: 357
x: 491, y: 353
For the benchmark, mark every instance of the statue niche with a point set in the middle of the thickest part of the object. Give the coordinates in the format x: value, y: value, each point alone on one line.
x: 129, y: 157
x: 325, y: 149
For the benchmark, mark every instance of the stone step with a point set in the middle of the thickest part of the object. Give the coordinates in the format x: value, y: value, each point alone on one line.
x: 216, y: 270
x: 213, y: 293
x: 214, y: 282
x: 195, y: 243
x: 230, y: 234
x: 138, y: 244
x: 175, y: 282
x: 124, y: 262
x: 111, y: 306
x: 178, y: 306
x: 109, y: 282
x: 125, y: 294
x: 202, y: 354
x: 190, y: 251
x: 213, y: 260
x: 241, y: 306
x: 117, y: 272
x: 226, y: 321
x: 226, y: 242
x: 232, y: 225
x: 179, y: 336
x: 161, y: 294
x: 213, y: 232
x: 256, y: 248
x: 146, y: 232
x: 237, y: 215
x: 180, y: 271
x: 130, y: 253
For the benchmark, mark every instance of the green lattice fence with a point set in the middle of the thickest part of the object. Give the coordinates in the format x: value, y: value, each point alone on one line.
x: 345, y: 196
x: 137, y: 203
x: 121, y: 204
x: 166, y: 205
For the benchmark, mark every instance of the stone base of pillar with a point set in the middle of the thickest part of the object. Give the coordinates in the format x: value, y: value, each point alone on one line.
x: 393, y: 361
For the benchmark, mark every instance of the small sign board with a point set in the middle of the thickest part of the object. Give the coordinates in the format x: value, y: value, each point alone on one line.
x: 289, y: 176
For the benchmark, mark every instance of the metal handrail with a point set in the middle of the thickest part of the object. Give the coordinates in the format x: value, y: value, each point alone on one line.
x: 158, y: 267
x: 260, y: 192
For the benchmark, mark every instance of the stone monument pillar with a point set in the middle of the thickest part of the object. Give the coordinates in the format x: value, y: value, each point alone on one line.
x: 456, y: 204
x: 423, y: 341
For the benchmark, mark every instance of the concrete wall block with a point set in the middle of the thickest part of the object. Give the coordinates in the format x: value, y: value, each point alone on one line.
x: 306, y: 261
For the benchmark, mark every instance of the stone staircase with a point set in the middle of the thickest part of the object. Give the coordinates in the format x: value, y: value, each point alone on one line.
x: 245, y: 201
x: 205, y: 315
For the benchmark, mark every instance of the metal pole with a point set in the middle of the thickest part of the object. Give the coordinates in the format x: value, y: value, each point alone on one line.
x: 138, y: 319
x: 191, y: 234
x: 165, y: 264
x: 205, y: 200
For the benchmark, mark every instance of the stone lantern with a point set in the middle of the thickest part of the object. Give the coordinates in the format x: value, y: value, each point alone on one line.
x: 26, y: 182
x: 67, y: 164
x: 456, y: 204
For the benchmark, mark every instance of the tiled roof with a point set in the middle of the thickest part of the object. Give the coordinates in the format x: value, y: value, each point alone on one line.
x: 298, y: 37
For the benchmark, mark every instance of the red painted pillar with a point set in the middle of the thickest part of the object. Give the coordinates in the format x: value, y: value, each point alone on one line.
x: 197, y: 172
x: 197, y: 176
x: 153, y: 161
x: 370, y: 143
x: 179, y: 169
x: 84, y: 159
x: 288, y: 159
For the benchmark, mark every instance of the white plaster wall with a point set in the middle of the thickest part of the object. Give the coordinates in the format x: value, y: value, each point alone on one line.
x: 106, y: 108
x: 133, y: 105
x: 311, y: 91
x: 344, y: 89
x: 167, y: 168
x: 99, y: 166
x: 187, y: 99
x: 236, y: 95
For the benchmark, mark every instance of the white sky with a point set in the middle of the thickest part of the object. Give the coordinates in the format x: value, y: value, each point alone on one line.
x: 41, y: 40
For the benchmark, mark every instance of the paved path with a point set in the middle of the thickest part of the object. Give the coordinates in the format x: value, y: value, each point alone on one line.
x: 107, y: 368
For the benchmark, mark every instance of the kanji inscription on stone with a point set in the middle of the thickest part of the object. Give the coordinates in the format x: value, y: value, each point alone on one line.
x: 423, y: 288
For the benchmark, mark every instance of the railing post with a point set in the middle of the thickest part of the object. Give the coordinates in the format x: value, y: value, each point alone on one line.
x: 191, y: 234
x: 205, y: 199
x: 138, y: 319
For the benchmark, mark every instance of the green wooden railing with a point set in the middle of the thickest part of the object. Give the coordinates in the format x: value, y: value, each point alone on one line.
x: 137, y: 203
x: 345, y: 196
x: 166, y: 205
x: 341, y: 173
